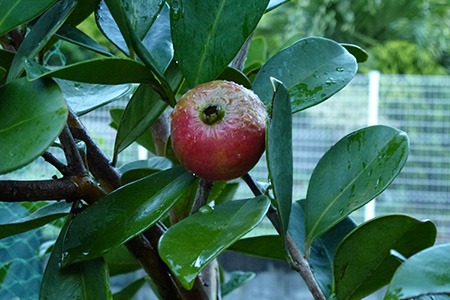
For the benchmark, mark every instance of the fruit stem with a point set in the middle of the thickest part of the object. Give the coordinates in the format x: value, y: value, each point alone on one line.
x: 212, y: 114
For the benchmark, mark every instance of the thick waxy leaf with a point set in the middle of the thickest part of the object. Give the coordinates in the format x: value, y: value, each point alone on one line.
x: 141, y: 112
x: 425, y: 273
x: 353, y: 172
x: 123, y: 214
x: 138, y: 169
x: 4, y: 271
x: 322, y: 252
x: 223, y: 192
x: 40, y: 34
x: 129, y: 291
x: 266, y: 246
x: 279, y: 152
x: 145, y: 140
x: 100, y: 71
x: 33, y: 115
x: 363, y: 263
x: 359, y: 53
x: 188, y: 246
x: 205, y: 46
x: 37, y: 219
x: 85, y: 281
x: 120, y: 261
x: 84, y: 97
x: 18, y: 12
x: 83, y: 10
x: 74, y: 35
x: 151, y: 26
x: 313, y: 69
x: 237, y: 279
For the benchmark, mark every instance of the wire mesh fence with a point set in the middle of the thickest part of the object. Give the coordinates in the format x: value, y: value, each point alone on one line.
x: 418, y: 105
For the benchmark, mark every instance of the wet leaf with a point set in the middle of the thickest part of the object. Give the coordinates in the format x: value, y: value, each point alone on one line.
x: 313, y: 69
x: 124, y: 213
x: 430, y: 275
x: 138, y: 169
x: 237, y: 279
x: 351, y: 173
x: 205, y: 46
x: 265, y: 246
x: 34, y: 114
x: 74, y: 35
x: 188, y: 246
x: 279, y: 152
x: 363, y: 262
x: 37, y: 219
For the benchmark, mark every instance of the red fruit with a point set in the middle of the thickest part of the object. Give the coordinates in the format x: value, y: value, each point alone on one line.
x: 218, y: 130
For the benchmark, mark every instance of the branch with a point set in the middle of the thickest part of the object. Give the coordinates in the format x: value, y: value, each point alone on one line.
x: 62, y: 168
x: 75, y: 163
x: 201, y: 198
x: 66, y: 188
x: 298, y: 261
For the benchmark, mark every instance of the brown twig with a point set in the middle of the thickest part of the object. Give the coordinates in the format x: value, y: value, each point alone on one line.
x: 201, y: 198
x: 62, y: 168
x: 297, y: 260
x: 75, y: 163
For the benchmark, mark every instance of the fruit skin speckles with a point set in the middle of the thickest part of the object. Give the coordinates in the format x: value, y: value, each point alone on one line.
x: 218, y: 130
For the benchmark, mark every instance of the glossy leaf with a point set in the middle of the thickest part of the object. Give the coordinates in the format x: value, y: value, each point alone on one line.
x: 313, y: 69
x: 257, y: 54
x: 40, y: 34
x: 235, y: 75
x: 138, y: 169
x: 120, y: 261
x: 363, y: 263
x: 188, y: 246
x: 223, y: 193
x: 141, y: 112
x: 82, y: 11
x: 99, y: 71
x: 205, y: 46
x: 359, y: 53
x: 265, y: 246
x: 18, y: 12
x: 37, y: 219
x: 130, y: 209
x: 4, y: 269
x: 145, y: 140
x: 279, y: 152
x: 130, y: 290
x: 322, y: 252
x: 430, y: 274
x: 351, y: 173
x: 84, y: 97
x: 237, y: 279
x: 85, y: 281
x: 34, y: 114
x: 74, y: 35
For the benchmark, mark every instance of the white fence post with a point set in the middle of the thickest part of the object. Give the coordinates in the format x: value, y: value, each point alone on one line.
x: 372, y: 119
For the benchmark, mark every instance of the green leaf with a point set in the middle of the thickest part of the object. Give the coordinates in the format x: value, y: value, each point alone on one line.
x: 351, y: 173
x: 189, y: 245
x: 40, y: 34
x: 321, y: 257
x: 100, y: 71
x: 237, y: 279
x: 4, y: 271
x: 363, y: 263
x: 257, y: 54
x: 82, y: 11
x: 141, y: 112
x: 145, y: 140
x: 18, y: 12
x: 223, y: 192
x: 425, y: 273
x: 138, y: 169
x: 313, y: 69
x: 129, y: 291
x: 275, y: 3
x: 123, y: 214
x: 120, y: 261
x: 34, y: 114
x: 85, y: 281
x: 359, y: 53
x: 37, y: 219
x: 279, y: 152
x: 84, y: 97
x: 73, y: 35
x: 205, y: 46
x: 235, y: 75
x: 265, y: 246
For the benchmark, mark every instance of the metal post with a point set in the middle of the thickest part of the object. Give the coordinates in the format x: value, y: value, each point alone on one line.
x: 372, y: 119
